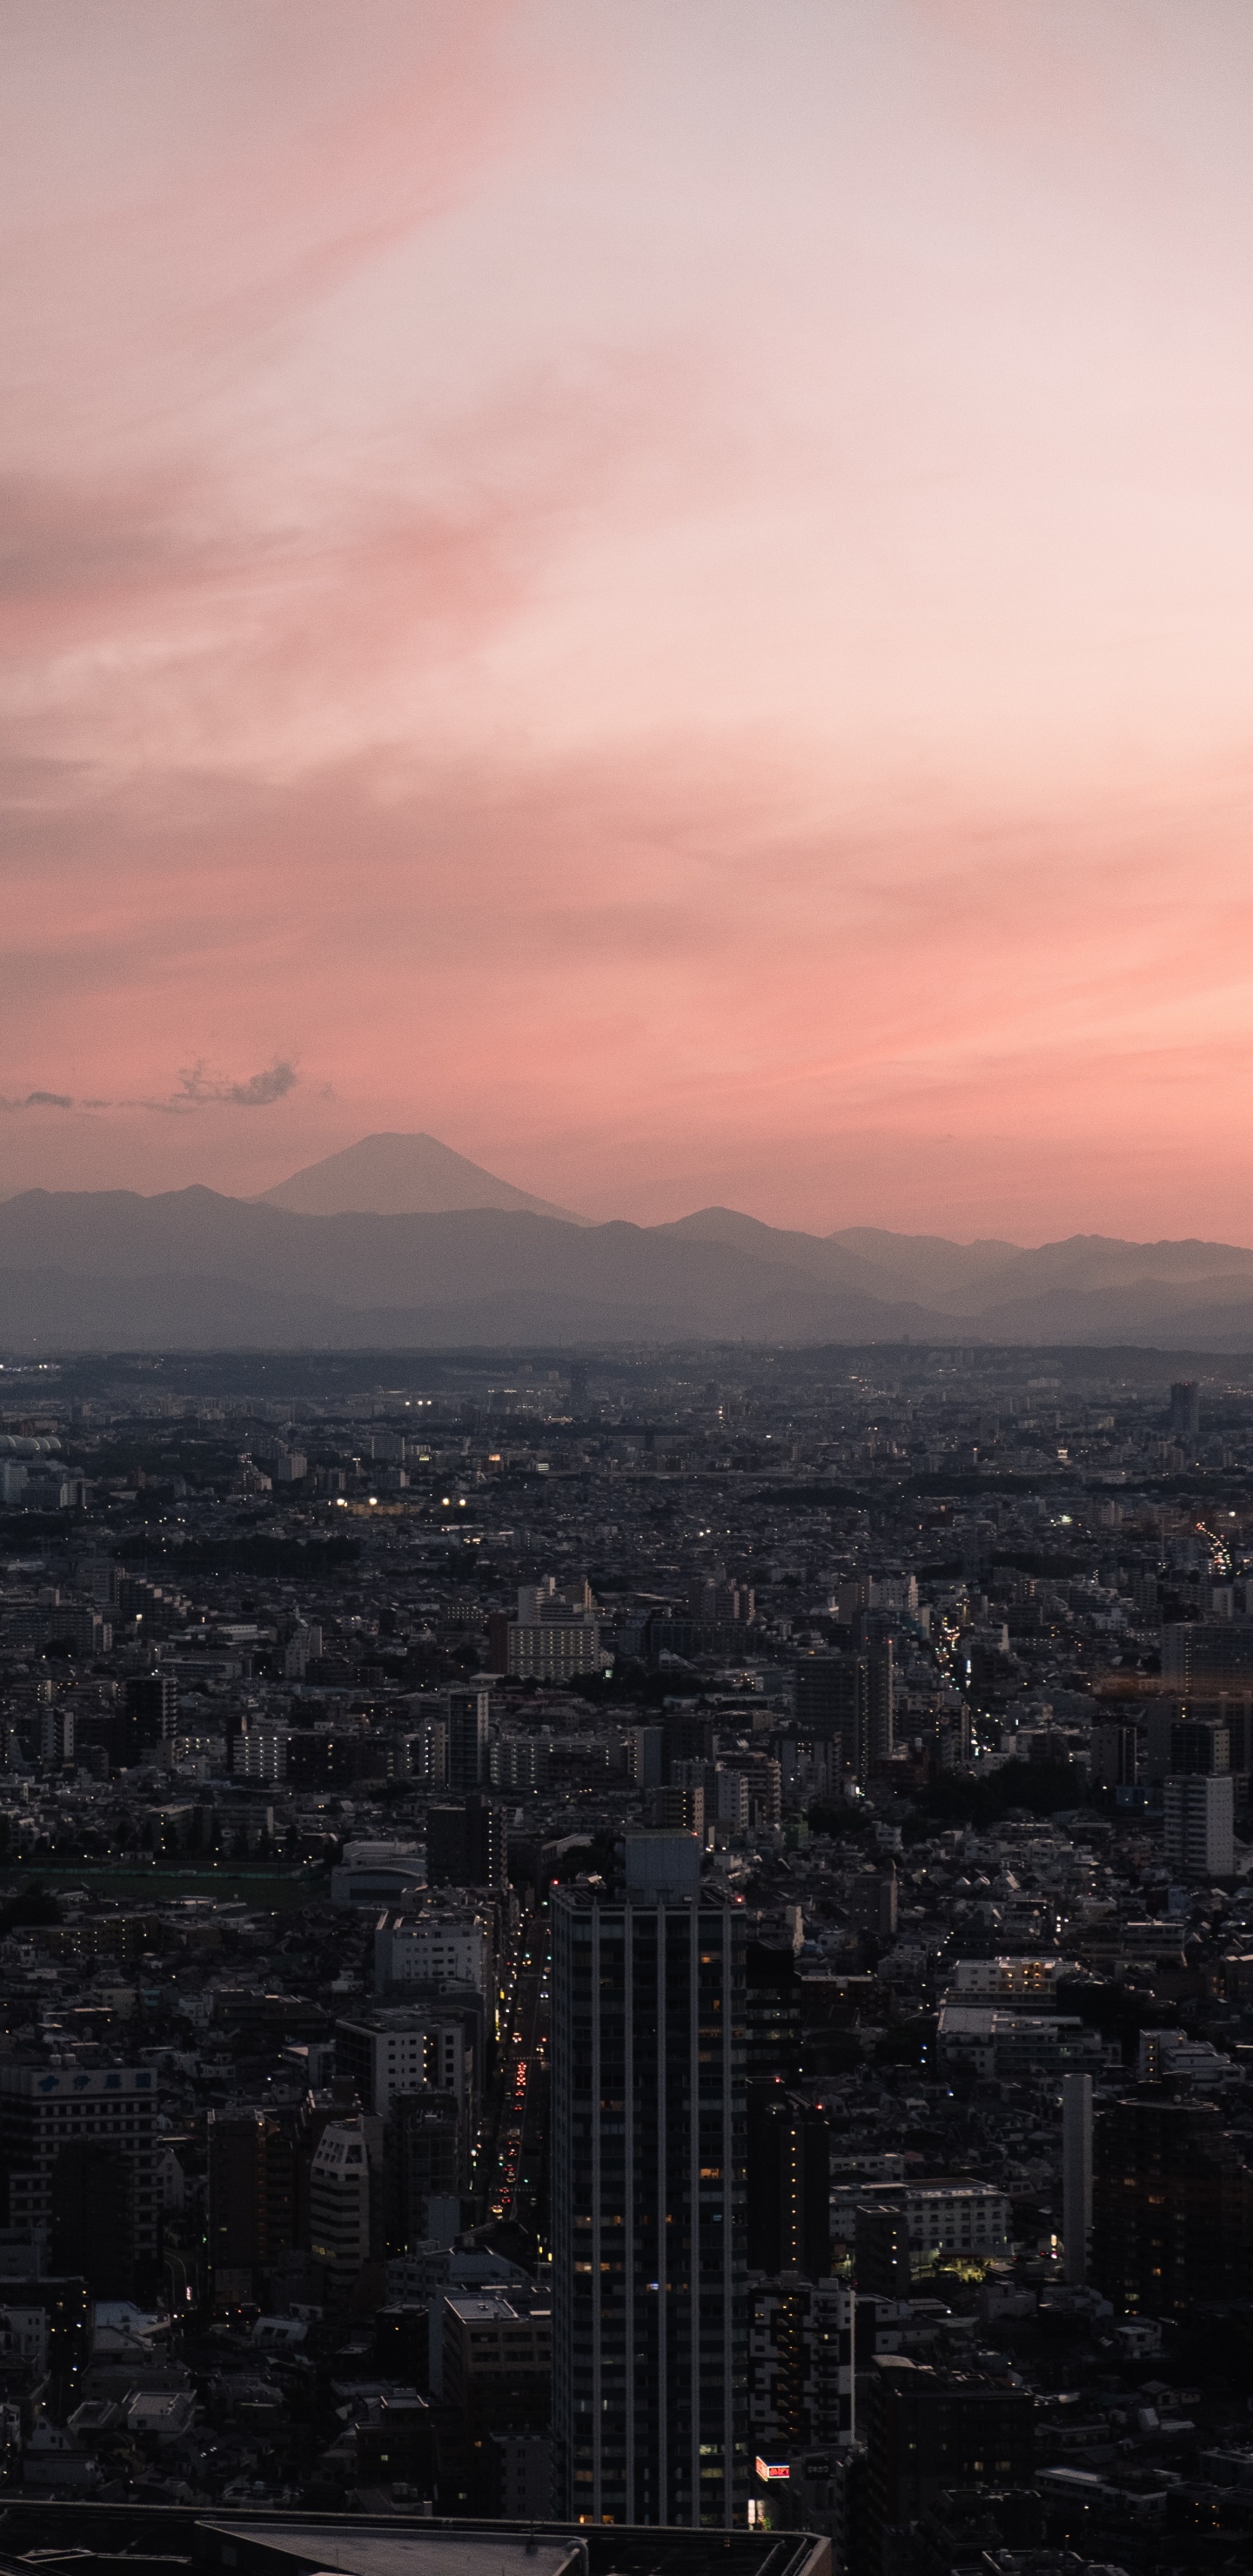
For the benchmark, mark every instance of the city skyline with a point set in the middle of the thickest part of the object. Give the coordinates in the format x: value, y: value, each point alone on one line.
x: 660, y: 594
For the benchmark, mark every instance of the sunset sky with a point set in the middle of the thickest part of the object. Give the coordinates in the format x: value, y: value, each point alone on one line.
x: 660, y: 588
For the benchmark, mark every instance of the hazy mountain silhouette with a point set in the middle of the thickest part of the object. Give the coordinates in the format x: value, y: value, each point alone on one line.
x: 400, y: 1176
x: 193, y: 1269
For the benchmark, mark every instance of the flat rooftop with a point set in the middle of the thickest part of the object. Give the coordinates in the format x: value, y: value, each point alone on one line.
x: 41, y: 2536
x: 377, y: 2552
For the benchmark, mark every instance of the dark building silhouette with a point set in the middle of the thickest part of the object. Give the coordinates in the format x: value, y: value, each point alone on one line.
x: 93, y: 2217
x: 402, y: 2345
x: 772, y: 2013
x: 67, y: 2304
x: 846, y: 1700
x: 927, y: 2431
x: 469, y: 1709
x: 467, y: 1844
x: 421, y: 2161
x: 1172, y: 2205
x: 252, y: 2200
x: 330, y: 1759
x: 1185, y: 1408
x: 148, y: 1716
x: 789, y: 2184
x: 872, y: 1902
x: 44, y: 2109
x: 881, y: 2262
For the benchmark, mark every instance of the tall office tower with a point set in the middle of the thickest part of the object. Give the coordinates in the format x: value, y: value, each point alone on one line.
x: 1185, y: 1409
x: 469, y: 1706
x: 1076, y: 2174
x: 1199, y: 1836
x: 1172, y: 2205
x: 848, y: 1699
x: 789, y: 2184
x: 648, y: 2147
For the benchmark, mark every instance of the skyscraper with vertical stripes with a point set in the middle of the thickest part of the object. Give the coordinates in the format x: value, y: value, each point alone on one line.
x: 648, y: 2214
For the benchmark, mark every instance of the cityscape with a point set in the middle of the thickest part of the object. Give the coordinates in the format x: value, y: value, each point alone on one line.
x: 633, y: 1938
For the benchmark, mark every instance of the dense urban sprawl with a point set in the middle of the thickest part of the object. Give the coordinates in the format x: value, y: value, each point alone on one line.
x: 664, y: 1938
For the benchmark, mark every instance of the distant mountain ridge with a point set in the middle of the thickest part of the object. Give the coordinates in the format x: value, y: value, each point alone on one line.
x: 193, y: 1269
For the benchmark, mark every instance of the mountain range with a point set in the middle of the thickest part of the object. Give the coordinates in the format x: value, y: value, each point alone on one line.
x: 398, y: 1243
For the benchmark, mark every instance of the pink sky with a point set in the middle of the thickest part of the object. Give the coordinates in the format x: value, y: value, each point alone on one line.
x: 664, y: 592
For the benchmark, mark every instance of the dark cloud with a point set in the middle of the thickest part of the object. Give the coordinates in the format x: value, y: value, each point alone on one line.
x: 196, y: 1090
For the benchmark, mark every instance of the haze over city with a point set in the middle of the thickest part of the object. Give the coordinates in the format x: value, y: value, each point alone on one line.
x: 661, y: 594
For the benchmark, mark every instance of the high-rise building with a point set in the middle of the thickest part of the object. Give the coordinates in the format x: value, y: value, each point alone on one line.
x: 1199, y: 1825
x: 1076, y: 2174
x: 469, y: 1710
x: 648, y: 2145
x: 1185, y: 1409
x: 789, y: 2184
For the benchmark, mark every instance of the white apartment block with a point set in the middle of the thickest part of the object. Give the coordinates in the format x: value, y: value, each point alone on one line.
x: 435, y: 1949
